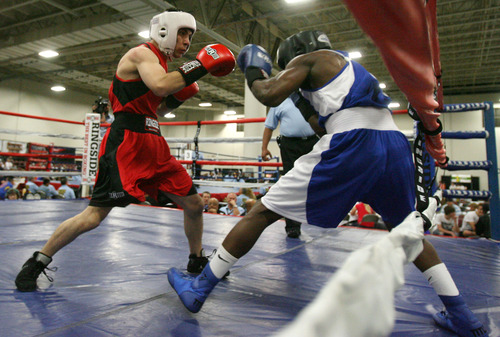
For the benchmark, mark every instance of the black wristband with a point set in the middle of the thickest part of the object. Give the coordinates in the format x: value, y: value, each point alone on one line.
x: 192, y: 71
x: 171, y: 102
x: 254, y: 73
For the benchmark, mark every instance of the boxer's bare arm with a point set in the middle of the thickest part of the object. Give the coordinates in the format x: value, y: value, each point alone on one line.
x: 140, y: 62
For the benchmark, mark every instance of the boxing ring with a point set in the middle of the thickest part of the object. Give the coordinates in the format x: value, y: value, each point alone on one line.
x: 112, y: 281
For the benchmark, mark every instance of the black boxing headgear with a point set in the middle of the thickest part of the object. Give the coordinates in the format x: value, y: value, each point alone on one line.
x: 301, y: 43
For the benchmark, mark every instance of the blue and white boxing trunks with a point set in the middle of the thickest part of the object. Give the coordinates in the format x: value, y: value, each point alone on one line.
x: 372, y: 165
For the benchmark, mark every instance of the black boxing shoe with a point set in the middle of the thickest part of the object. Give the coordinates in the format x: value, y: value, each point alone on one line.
x: 26, y: 279
x: 196, y: 264
x: 293, y: 232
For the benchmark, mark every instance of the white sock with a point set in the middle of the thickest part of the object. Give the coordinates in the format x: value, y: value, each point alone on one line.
x: 440, y: 279
x: 43, y: 258
x: 222, y: 262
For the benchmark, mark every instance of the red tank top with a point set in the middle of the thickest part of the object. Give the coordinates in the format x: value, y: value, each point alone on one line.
x: 133, y: 95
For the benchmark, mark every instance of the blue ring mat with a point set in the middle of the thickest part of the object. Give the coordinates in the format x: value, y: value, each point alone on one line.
x: 112, y: 281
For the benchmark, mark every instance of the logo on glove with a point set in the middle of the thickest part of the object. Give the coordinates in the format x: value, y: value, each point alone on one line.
x: 264, y: 56
x: 212, y: 52
x: 189, y: 66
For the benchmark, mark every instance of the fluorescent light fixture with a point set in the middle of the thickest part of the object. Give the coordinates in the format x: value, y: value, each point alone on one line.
x: 48, y: 53
x: 496, y: 105
x: 294, y: 1
x: 144, y: 34
x: 205, y: 104
x: 169, y: 115
x: 382, y: 86
x: 355, y: 55
x: 58, y: 88
x: 394, y: 105
x: 229, y: 112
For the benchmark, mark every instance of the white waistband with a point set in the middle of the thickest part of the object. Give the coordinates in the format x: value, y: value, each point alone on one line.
x: 360, y: 118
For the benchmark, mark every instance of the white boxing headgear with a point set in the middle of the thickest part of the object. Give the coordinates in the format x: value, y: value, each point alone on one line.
x: 164, y: 27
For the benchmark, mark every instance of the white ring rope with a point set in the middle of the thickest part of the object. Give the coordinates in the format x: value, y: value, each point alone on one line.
x: 229, y: 183
x: 41, y: 134
x: 408, y: 133
x: 39, y: 174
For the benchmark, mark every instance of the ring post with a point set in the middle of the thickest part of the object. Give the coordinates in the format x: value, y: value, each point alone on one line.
x: 491, y: 155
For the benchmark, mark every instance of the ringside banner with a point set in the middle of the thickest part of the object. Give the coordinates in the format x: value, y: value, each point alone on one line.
x: 90, y: 148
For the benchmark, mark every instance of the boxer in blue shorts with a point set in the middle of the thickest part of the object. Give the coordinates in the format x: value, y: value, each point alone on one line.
x: 362, y: 157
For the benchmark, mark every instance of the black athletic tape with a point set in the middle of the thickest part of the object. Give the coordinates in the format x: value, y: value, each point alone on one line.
x: 192, y: 71
x: 254, y: 73
x: 172, y: 103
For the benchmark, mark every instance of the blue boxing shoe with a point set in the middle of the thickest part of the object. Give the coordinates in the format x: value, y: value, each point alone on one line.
x: 459, y: 319
x: 193, y: 291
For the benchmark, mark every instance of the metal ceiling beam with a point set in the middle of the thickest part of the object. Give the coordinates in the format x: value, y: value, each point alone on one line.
x: 18, y: 5
x: 61, y: 7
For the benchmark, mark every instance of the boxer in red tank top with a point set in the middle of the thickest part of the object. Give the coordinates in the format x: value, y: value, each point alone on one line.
x: 134, y: 158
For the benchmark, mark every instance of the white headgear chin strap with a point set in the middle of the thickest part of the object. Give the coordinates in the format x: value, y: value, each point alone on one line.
x: 164, y: 27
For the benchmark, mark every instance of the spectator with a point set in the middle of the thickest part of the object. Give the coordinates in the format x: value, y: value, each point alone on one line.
x: 7, y: 184
x: 31, y: 185
x: 472, y: 206
x: 65, y: 191
x: 231, y: 208
x: 13, y: 194
x: 246, y: 199
x: 483, y: 225
x: 213, y: 206
x: 76, y: 180
x: 9, y: 163
x: 353, y: 216
x: 205, y: 196
x: 47, y: 189
x: 296, y: 139
x: 450, y: 202
x: 362, y: 210
x: 446, y: 223
x: 101, y: 106
x: 468, y: 228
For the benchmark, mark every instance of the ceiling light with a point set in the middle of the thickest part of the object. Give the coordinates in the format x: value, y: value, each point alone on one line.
x: 48, y: 53
x: 229, y: 112
x: 205, y: 104
x: 293, y: 1
x: 394, y: 105
x: 144, y: 34
x: 355, y: 55
x: 58, y: 88
x: 169, y: 115
x: 382, y: 86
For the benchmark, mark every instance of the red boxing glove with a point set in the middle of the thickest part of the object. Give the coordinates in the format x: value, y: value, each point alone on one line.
x: 217, y: 59
x: 175, y: 100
